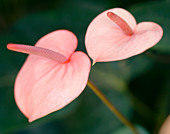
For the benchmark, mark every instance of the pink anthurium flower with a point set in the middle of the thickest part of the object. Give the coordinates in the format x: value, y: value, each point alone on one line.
x: 114, y: 35
x: 52, y: 76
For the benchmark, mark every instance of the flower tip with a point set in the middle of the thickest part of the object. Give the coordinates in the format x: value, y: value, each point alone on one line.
x: 94, y: 62
x: 110, y: 14
x: 31, y: 119
x: 10, y: 46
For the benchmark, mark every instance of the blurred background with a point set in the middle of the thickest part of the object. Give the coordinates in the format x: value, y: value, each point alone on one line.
x: 139, y: 86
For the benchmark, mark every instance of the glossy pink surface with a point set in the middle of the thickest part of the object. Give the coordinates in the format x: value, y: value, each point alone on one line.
x: 43, y: 85
x: 107, y: 40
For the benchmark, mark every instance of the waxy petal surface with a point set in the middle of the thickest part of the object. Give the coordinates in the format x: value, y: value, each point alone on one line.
x: 61, y: 41
x: 105, y: 41
x: 43, y: 86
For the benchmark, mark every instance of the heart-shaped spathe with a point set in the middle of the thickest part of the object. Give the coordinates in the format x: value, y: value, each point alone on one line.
x: 43, y: 85
x: 114, y: 35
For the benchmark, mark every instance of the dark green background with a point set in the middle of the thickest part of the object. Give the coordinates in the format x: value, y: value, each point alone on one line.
x: 139, y: 86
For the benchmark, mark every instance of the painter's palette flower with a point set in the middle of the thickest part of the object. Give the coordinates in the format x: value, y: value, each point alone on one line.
x: 52, y: 76
x: 114, y: 35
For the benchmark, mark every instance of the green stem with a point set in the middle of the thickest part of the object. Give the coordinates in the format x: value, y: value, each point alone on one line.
x: 111, y: 107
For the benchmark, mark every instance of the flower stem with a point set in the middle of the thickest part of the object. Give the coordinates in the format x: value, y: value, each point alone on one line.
x: 111, y: 107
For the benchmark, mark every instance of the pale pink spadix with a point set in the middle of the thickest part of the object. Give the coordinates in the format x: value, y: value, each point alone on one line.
x: 52, y: 76
x: 114, y: 35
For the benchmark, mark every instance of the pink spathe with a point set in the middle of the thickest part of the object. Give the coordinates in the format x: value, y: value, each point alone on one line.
x: 114, y: 35
x: 44, y: 85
